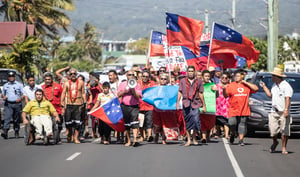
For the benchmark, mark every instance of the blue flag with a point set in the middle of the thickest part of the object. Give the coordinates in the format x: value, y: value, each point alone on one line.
x: 161, y: 97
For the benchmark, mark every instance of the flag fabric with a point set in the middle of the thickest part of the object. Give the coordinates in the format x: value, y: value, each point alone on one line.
x: 157, y: 44
x: 223, y: 60
x: 161, y: 97
x: 227, y: 40
x: 184, y: 31
x: 111, y: 113
x: 190, y: 57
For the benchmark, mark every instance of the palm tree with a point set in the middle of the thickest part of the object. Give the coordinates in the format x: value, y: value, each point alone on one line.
x: 47, y: 15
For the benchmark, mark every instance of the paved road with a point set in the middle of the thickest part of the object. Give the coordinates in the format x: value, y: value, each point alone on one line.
x: 92, y: 159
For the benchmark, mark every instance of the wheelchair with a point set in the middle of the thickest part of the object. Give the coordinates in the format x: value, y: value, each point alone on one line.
x: 29, y: 129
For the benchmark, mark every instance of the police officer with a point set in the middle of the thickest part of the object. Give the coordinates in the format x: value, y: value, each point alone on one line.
x: 12, y: 95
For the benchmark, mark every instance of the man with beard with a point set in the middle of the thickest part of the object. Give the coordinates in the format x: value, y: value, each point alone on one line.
x: 76, y: 100
x: 191, y: 91
x: 52, y: 92
x: 40, y: 110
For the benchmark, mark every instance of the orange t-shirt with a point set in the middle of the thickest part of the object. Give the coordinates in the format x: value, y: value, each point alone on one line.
x: 238, y: 99
x: 143, y: 105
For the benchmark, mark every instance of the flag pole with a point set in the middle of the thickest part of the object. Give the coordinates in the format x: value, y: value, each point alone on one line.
x: 210, y: 42
x: 149, y: 49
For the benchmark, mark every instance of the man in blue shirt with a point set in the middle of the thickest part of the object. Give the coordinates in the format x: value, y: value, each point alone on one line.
x: 12, y: 95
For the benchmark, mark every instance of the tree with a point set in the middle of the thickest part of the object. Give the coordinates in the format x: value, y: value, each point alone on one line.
x: 139, y: 47
x: 24, y: 55
x: 260, y: 45
x: 47, y: 15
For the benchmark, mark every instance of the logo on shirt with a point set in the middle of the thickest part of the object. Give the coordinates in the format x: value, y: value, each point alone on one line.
x: 240, y: 90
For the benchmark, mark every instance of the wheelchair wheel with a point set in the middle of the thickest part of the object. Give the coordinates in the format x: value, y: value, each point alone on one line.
x: 27, y: 134
x: 55, y: 133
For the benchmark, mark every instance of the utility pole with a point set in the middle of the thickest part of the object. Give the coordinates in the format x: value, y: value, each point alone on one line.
x: 272, y: 34
x: 206, y: 21
x: 233, y: 14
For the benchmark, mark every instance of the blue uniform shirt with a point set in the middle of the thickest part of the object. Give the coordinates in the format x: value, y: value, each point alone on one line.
x: 12, y: 91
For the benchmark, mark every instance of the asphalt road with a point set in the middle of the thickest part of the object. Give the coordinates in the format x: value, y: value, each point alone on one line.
x: 91, y: 159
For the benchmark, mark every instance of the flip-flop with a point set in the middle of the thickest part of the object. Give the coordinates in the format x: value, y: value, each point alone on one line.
x: 285, y: 152
x: 273, y: 147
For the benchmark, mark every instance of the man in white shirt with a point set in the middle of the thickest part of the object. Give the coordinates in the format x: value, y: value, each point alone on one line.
x: 279, y: 117
x: 29, y: 90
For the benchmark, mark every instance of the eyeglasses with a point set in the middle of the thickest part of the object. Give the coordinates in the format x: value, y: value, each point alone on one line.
x: 130, y: 74
x: 73, y: 74
x: 153, y: 72
x: 145, y: 76
x: 161, y: 70
x: 163, y: 79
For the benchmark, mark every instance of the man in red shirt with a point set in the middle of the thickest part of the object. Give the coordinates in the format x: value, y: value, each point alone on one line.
x: 145, y: 109
x: 239, y: 110
x: 52, y: 91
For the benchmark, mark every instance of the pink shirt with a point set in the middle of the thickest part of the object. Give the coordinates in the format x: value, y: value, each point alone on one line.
x: 222, y: 103
x: 128, y: 98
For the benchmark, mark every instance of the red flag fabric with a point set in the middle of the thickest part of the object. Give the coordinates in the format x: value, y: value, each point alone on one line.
x: 184, y: 31
x: 226, y: 40
x: 111, y: 114
x: 157, y: 41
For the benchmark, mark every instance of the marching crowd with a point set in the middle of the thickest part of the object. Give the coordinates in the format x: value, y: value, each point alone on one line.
x: 70, y: 98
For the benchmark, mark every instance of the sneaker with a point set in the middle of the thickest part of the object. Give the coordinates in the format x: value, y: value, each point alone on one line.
x: 231, y: 140
x: 4, y: 135
x: 241, y: 143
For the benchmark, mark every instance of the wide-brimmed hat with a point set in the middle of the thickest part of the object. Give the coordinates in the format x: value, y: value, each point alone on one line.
x: 278, y: 72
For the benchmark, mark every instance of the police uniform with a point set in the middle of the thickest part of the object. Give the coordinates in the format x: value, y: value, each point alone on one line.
x: 12, y: 109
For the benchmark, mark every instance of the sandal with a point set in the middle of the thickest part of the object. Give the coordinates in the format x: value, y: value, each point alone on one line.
x: 285, y: 152
x: 273, y: 147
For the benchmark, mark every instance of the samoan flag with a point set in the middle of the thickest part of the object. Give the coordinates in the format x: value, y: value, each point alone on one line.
x: 227, y: 40
x: 161, y: 97
x: 241, y: 62
x: 157, y: 44
x: 184, y: 31
x: 111, y: 113
x: 190, y: 57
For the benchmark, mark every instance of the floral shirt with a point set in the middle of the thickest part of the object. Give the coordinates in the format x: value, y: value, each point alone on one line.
x: 222, y: 103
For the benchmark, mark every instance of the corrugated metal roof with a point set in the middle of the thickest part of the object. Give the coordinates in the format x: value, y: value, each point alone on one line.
x: 9, y: 30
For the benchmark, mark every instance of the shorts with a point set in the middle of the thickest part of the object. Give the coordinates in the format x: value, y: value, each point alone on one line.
x: 279, y: 124
x: 73, y: 116
x: 130, y: 115
x: 148, y: 119
x: 221, y: 120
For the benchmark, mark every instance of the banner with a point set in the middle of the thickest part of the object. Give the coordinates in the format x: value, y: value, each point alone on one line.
x: 156, y: 63
x: 176, y: 58
x: 209, y: 98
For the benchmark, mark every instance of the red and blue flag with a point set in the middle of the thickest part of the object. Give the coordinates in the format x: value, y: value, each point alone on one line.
x: 184, y: 31
x: 157, y: 44
x: 226, y: 40
x: 111, y: 113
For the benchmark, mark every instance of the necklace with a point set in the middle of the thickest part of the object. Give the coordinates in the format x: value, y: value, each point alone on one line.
x: 188, y: 88
x: 70, y: 91
x: 44, y: 89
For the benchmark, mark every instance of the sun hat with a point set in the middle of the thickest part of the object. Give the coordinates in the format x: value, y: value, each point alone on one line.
x: 278, y: 72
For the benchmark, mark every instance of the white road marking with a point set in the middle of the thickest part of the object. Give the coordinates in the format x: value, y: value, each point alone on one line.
x: 73, y: 156
x: 235, y: 165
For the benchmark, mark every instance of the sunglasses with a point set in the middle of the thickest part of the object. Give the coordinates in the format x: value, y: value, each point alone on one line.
x: 73, y: 74
x: 130, y: 74
x: 163, y: 79
x: 224, y: 77
x: 145, y: 76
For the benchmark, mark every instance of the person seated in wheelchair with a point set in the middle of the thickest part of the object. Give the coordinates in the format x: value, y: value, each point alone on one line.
x: 40, y: 111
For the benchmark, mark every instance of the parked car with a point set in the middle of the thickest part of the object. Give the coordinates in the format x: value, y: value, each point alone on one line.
x: 3, y: 80
x: 260, y: 104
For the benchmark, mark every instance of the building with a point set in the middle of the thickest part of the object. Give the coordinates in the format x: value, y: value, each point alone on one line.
x: 10, y: 30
